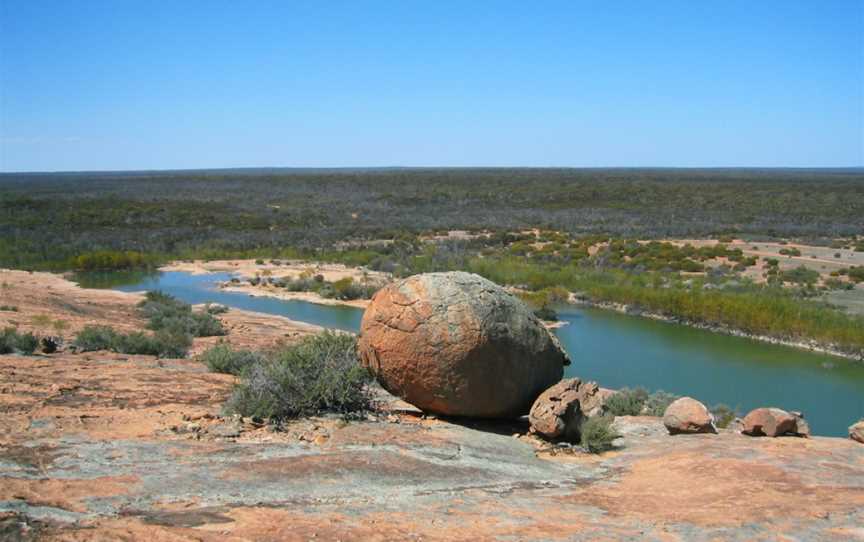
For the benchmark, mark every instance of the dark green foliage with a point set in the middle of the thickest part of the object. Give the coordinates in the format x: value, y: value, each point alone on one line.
x: 162, y: 343
x: 12, y: 341
x: 546, y: 313
x: 165, y: 313
x: 104, y: 260
x: 790, y: 252
x: 597, y: 434
x: 800, y: 275
x: 46, y: 220
x: 345, y: 289
x: 657, y: 403
x: 95, y: 338
x: 10, y: 308
x: 165, y: 344
x: 638, y: 402
x: 627, y: 402
x: 319, y: 374
x: 221, y: 358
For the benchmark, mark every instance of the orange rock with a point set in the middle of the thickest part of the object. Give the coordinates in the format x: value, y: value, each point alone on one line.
x: 458, y: 344
x: 687, y: 415
x: 769, y: 422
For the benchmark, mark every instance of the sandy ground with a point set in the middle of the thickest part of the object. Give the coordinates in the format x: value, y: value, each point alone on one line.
x: 103, y: 446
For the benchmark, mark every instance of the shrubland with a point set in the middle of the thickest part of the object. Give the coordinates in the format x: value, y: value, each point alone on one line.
x: 321, y: 373
x: 117, y: 220
x: 173, y: 325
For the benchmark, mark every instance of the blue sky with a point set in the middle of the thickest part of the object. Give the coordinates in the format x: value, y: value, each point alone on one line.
x: 117, y: 84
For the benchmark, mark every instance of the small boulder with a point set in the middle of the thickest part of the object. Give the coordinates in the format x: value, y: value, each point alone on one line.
x: 559, y: 411
x: 773, y: 422
x: 856, y: 431
x: 460, y: 345
x: 687, y: 415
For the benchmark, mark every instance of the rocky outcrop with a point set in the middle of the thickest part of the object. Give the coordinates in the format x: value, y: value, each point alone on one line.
x: 458, y: 344
x: 856, y: 431
x: 687, y: 415
x: 560, y: 410
x: 774, y: 422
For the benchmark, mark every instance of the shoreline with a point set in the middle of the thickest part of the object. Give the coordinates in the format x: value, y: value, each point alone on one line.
x: 309, y: 297
x: 632, y: 310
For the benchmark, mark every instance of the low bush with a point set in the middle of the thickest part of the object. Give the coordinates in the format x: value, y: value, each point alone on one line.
x: 627, y: 402
x: 224, y: 359
x: 597, y: 434
x: 162, y: 343
x: 9, y: 308
x: 321, y: 373
x: 95, y: 338
x: 12, y: 341
x: 638, y: 402
x: 165, y: 313
x: 657, y: 403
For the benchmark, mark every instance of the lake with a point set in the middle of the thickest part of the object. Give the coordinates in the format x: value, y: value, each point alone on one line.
x: 614, y: 349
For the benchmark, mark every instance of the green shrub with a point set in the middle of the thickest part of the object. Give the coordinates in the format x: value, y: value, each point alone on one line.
x: 657, y: 403
x: 597, y: 434
x: 9, y: 308
x: 162, y: 343
x: 13, y: 341
x: 221, y: 358
x: 165, y: 313
x: 800, y: 275
x: 319, y: 374
x: 627, y: 402
x: 95, y: 338
x: 165, y: 344
x: 638, y: 402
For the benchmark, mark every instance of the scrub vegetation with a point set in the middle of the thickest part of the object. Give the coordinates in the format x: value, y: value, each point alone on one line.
x: 545, y: 232
x: 173, y: 323
x: 117, y: 220
x: 319, y: 374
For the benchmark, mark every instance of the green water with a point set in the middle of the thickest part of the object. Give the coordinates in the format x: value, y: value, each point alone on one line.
x: 616, y: 350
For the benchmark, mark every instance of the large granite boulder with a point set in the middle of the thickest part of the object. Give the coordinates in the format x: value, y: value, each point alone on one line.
x: 774, y: 422
x: 687, y: 415
x: 457, y: 344
x: 559, y: 411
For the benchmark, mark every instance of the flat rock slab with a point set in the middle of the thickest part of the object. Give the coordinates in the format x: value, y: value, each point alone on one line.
x: 100, y: 460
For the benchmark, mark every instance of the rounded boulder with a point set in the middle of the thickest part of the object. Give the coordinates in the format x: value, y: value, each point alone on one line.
x: 558, y: 412
x: 687, y: 415
x: 458, y: 344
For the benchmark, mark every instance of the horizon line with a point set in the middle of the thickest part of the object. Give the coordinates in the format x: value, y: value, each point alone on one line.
x: 375, y: 168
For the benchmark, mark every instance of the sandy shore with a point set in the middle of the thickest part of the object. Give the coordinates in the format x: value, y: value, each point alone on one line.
x: 281, y: 293
x: 289, y: 270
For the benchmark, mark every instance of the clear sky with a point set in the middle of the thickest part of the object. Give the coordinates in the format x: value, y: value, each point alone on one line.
x: 100, y: 85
